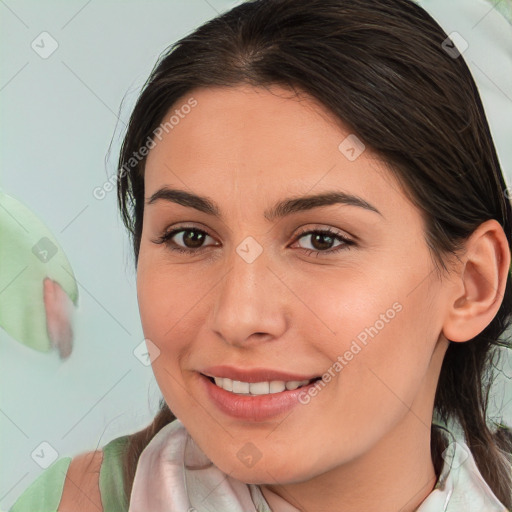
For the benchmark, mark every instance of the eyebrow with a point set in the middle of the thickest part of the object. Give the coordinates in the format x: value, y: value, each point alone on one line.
x: 279, y: 210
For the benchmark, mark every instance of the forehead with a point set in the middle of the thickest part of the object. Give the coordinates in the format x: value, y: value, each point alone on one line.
x: 246, y: 139
x: 247, y: 119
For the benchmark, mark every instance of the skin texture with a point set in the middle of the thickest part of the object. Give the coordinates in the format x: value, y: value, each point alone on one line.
x: 363, y: 443
x: 81, y: 491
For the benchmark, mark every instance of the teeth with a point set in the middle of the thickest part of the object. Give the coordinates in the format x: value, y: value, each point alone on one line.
x: 294, y: 384
x: 240, y: 387
x: 258, y: 388
x: 276, y: 386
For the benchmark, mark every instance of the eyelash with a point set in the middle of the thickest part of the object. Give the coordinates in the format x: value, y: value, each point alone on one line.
x: 347, y: 243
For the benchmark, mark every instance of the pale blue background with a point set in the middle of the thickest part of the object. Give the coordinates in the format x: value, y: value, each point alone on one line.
x: 58, y: 116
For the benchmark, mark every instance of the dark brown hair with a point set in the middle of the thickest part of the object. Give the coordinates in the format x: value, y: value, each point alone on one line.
x: 380, y: 67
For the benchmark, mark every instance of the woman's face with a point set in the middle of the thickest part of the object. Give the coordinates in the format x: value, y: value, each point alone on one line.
x: 265, y: 290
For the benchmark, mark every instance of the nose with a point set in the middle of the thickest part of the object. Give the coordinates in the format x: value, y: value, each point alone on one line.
x: 250, y: 303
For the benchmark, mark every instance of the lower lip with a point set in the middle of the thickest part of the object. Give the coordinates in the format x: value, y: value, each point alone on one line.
x: 254, y: 407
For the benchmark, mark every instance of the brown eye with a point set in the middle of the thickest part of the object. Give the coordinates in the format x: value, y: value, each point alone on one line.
x: 192, y: 239
x: 322, y: 241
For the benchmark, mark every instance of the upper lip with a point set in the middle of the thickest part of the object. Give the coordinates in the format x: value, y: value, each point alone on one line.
x: 253, y: 374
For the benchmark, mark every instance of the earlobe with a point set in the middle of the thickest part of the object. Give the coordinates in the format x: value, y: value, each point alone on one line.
x: 480, y: 284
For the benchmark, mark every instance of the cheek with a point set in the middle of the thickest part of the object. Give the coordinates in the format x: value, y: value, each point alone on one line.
x: 387, y: 354
x: 167, y: 301
x: 166, y: 297
x: 345, y: 307
x: 377, y: 335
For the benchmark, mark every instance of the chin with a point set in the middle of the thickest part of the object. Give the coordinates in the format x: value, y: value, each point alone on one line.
x: 269, y: 477
x: 271, y: 471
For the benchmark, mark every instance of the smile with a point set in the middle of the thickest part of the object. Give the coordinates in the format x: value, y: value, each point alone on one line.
x: 258, y: 388
x: 254, y: 401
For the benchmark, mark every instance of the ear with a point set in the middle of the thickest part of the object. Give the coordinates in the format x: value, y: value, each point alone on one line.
x: 480, y: 283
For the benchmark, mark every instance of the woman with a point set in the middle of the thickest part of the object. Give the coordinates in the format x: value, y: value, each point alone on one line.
x: 322, y: 240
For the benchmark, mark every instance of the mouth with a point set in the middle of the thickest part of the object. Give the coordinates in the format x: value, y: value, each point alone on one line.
x: 242, y: 388
x: 255, y: 401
